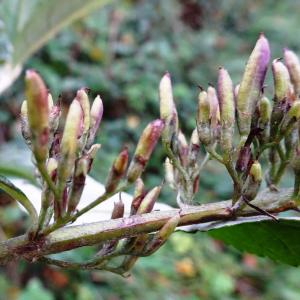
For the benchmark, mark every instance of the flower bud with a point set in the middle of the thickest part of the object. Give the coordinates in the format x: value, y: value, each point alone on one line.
x: 251, y: 84
x: 95, y: 119
x: 69, y: 142
x: 203, y: 118
x: 138, y: 196
x: 292, y: 62
x: 118, y: 210
x: 281, y: 79
x: 149, y: 200
x: 162, y: 235
x: 294, y: 111
x: 50, y: 101
x: 183, y: 148
x: 168, y: 112
x: 169, y: 173
x: 78, y: 183
x: 265, y: 109
x: 290, y: 118
x: 227, y: 109
x: 144, y: 149
x: 253, y: 181
x: 214, y: 110
x: 24, y: 123
x: 117, y: 171
x: 194, y: 148
x: 52, y: 167
x: 83, y: 99
x: 38, y: 111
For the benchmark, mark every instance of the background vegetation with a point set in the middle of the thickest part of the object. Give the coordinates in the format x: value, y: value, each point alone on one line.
x: 121, y: 52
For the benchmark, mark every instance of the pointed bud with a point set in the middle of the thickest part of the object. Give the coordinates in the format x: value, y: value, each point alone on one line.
x: 144, y: 149
x: 170, y: 174
x: 95, y: 120
x: 38, y: 111
x: 226, y: 99
x: 138, y: 196
x: 168, y: 112
x: 292, y: 62
x: 203, y: 118
x: 253, y: 181
x: 82, y: 166
x: 69, y: 142
x: 149, y: 200
x: 251, y: 84
x: 162, y: 235
x: 118, y: 211
x: 183, y: 148
x: 117, y: 171
x: 24, y: 123
x: 83, y: 99
x: 281, y: 79
x: 50, y: 101
x: 194, y: 148
x: 214, y: 109
x: 227, y: 110
x: 52, y: 167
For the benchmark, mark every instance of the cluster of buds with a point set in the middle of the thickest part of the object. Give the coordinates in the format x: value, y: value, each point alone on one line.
x: 64, y: 157
x: 235, y: 125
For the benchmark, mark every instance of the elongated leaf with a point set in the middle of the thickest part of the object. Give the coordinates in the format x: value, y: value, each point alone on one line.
x: 19, y: 196
x: 279, y: 241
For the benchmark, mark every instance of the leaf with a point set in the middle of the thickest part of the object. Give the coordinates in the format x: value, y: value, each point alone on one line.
x: 29, y: 24
x: 279, y: 241
x: 19, y: 196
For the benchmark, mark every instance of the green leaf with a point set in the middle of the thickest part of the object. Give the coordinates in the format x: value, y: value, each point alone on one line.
x: 279, y: 241
x: 19, y: 196
x: 35, y: 290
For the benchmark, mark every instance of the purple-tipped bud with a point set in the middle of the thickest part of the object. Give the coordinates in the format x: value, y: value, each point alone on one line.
x: 292, y: 62
x: 117, y: 171
x: 38, y: 112
x: 168, y: 112
x: 281, y: 79
x: 144, y: 149
x: 95, y: 119
x: 252, y: 83
x: 69, y: 142
x: 149, y: 200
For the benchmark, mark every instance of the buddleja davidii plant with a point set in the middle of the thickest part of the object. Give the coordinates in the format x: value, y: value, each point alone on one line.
x: 244, y: 109
x: 63, y: 160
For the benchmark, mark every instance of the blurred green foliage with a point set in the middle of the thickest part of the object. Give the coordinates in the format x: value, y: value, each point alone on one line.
x: 121, y: 52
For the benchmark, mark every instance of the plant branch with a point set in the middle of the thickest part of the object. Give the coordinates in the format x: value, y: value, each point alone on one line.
x: 72, y: 237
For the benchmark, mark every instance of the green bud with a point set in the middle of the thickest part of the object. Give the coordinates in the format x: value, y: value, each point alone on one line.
x: 38, y: 111
x: 170, y: 173
x: 294, y: 111
x: 292, y: 62
x: 256, y: 172
x: 214, y: 109
x: 203, y: 118
x: 265, y: 109
x: 117, y: 171
x: 251, y: 84
x: 52, y: 167
x: 83, y: 99
x: 95, y: 119
x: 149, y: 200
x: 24, y: 123
x: 281, y: 79
x: 69, y: 142
x: 162, y: 235
x: 253, y: 182
x: 144, y: 149
x: 168, y: 112
x: 227, y: 109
